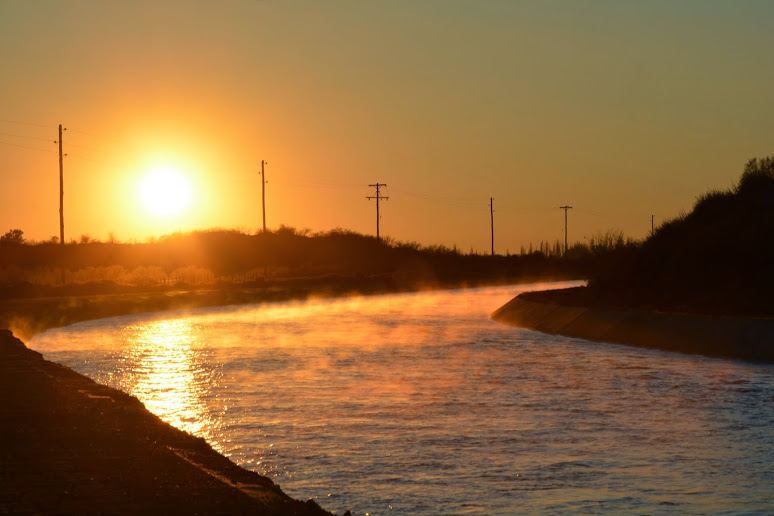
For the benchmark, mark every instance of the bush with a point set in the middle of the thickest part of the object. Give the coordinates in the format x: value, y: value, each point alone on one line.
x: 14, y: 236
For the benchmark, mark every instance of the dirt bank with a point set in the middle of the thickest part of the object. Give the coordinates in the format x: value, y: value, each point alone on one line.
x: 72, y: 446
x: 741, y: 338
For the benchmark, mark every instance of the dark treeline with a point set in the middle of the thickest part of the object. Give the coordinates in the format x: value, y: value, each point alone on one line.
x: 218, y: 258
x: 717, y: 259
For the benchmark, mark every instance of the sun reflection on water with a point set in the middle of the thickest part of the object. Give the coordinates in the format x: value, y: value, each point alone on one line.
x: 166, y: 371
x: 420, y: 401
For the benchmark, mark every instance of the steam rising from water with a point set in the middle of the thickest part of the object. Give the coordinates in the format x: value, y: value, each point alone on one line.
x: 420, y: 403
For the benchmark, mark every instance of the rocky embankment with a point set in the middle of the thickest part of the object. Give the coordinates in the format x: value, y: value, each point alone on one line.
x: 557, y: 312
x: 72, y: 446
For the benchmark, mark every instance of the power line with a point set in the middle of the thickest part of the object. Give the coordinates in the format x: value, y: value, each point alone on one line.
x: 88, y: 148
x: 27, y: 137
x: 565, y: 208
x: 593, y: 214
x: 378, y: 197
x: 491, y: 218
x: 468, y: 201
x: 47, y: 126
x: 26, y: 147
x: 78, y: 132
x: 61, y: 187
x: 317, y: 183
x: 263, y: 194
x: 99, y: 161
x: 84, y: 147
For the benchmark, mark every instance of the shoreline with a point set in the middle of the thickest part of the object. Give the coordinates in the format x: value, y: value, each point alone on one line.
x: 73, y: 446
x: 26, y: 317
x: 742, y: 338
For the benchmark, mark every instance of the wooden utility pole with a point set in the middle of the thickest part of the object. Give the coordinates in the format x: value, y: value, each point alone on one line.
x: 378, y: 197
x: 491, y: 219
x: 652, y: 228
x: 263, y: 194
x: 61, y: 187
x: 565, y: 208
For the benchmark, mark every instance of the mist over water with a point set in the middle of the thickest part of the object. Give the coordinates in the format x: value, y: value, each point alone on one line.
x: 419, y: 403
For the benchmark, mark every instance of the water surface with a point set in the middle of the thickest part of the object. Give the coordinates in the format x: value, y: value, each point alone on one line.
x: 420, y: 404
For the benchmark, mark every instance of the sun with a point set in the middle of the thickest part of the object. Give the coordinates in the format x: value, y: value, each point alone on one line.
x: 165, y: 192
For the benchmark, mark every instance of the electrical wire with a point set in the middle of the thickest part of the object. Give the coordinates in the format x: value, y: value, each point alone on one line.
x: 467, y: 201
x: 585, y: 212
x: 26, y: 123
x: 27, y: 137
x: 27, y: 147
x: 325, y: 184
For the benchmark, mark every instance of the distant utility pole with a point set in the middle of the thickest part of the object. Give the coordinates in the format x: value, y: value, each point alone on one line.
x: 378, y: 196
x: 565, y: 208
x: 491, y: 219
x: 652, y: 228
x: 61, y: 186
x: 263, y: 194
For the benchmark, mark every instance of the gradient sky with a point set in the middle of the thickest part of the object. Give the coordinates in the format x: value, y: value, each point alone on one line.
x: 621, y: 109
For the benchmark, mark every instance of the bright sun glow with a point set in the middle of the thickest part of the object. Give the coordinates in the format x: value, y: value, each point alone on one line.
x: 165, y: 192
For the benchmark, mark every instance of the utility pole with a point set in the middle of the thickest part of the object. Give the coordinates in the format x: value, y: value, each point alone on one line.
x: 263, y: 194
x: 652, y: 227
x: 378, y: 196
x: 491, y: 219
x: 61, y: 186
x: 565, y: 208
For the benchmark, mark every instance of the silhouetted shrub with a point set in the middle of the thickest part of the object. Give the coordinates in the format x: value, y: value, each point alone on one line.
x: 758, y: 174
x: 13, y: 237
x: 224, y: 257
x: 718, y: 258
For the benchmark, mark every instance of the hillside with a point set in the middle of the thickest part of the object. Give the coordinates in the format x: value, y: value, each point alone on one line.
x: 718, y: 259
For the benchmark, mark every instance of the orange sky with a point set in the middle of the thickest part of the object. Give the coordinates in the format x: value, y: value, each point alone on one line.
x: 619, y: 109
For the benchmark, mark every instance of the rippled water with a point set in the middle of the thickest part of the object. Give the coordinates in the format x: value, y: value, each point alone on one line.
x: 418, y: 403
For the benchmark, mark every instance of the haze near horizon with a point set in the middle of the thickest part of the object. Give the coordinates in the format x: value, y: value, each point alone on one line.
x: 622, y: 110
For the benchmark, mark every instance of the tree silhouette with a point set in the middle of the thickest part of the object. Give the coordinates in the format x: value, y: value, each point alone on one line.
x: 14, y: 236
x: 716, y: 259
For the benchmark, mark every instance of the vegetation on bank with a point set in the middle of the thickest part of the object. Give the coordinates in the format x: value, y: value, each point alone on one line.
x: 717, y: 259
x: 229, y: 258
